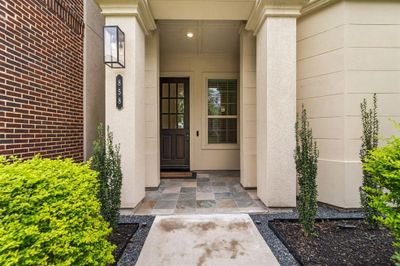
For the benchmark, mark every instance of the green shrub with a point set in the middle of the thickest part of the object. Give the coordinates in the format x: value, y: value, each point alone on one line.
x: 383, y: 164
x: 306, y: 157
x: 106, y: 161
x: 369, y: 141
x: 49, y: 214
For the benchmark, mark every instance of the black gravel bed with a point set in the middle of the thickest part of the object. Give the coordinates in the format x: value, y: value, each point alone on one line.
x: 120, y: 237
x: 282, y: 254
x: 135, y: 245
x: 339, y: 242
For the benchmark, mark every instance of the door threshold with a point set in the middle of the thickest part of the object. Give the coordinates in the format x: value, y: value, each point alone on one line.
x: 178, y: 174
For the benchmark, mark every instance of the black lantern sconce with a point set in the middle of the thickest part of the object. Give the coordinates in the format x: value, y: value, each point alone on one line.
x: 114, y: 47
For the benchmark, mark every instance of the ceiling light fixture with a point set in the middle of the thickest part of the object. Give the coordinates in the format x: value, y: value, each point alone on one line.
x: 189, y: 34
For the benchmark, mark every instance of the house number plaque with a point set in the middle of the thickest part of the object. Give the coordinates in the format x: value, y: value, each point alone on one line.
x: 119, y: 92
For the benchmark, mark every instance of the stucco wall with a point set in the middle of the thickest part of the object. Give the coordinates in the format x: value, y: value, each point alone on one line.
x: 346, y: 52
x: 93, y: 74
x: 197, y: 67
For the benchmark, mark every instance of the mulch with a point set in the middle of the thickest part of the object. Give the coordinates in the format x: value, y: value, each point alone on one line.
x: 336, y: 245
x: 120, y: 237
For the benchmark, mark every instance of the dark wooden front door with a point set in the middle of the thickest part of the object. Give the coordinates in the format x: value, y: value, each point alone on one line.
x: 174, y: 108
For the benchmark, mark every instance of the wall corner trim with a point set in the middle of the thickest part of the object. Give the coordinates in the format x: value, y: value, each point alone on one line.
x: 270, y: 8
x: 314, y: 5
x: 137, y: 8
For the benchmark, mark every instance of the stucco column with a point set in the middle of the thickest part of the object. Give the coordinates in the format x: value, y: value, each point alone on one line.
x: 275, y: 29
x: 248, y: 166
x: 152, y: 115
x: 128, y: 123
x: 276, y: 111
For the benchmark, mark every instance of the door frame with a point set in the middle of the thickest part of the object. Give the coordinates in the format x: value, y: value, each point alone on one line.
x: 190, y: 76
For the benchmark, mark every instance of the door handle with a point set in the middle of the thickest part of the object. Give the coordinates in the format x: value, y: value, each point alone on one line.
x: 187, y: 137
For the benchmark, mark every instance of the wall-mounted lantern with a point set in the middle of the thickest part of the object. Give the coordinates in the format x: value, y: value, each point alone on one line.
x: 114, y: 47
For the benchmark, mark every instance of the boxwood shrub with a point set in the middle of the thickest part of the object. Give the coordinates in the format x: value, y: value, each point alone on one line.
x: 49, y: 214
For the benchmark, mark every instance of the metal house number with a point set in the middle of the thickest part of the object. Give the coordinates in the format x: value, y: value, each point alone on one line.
x: 119, y: 91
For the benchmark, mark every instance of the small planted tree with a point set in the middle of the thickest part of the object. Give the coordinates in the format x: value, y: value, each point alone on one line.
x: 106, y: 161
x: 306, y: 157
x: 369, y: 141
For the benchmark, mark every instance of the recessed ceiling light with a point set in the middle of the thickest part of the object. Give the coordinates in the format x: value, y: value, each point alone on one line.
x: 189, y: 34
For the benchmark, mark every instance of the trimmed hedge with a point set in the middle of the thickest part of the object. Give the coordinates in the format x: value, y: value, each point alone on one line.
x: 50, y: 215
x: 384, y: 166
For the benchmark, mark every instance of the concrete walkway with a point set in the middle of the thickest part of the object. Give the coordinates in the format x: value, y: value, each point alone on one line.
x: 218, y: 239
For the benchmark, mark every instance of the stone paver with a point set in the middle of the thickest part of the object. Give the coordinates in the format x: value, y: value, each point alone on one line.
x: 210, y: 192
x: 217, y: 239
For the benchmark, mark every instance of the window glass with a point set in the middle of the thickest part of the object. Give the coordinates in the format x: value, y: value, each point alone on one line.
x: 172, y: 90
x: 181, y: 90
x: 165, y: 90
x: 222, y: 111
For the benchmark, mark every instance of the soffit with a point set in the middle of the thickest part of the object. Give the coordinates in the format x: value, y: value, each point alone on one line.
x: 210, y: 37
x: 201, y: 9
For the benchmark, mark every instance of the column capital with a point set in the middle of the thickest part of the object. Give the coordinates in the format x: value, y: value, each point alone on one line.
x: 136, y: 8
x: 272, y: 8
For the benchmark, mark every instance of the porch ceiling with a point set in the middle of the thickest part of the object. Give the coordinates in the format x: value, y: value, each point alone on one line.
x: 201, y: 9
x: 210, y: 37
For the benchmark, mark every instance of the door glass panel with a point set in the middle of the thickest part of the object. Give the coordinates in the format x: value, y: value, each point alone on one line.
x: 181, y: 105
x: 181, y: 121
x: 181, y: 90
x: 172, y: 121
x: 165, y: 106
x: 172, y: 106
x: 165, y: 121
x: 172, y: 90
x: 165, y: 90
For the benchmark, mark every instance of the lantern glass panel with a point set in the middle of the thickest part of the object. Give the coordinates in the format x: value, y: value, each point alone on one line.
x: 110, y: 45
x: 121, y: 48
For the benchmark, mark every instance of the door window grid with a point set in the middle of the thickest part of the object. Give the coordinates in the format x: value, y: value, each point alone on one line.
x: 173, y: 106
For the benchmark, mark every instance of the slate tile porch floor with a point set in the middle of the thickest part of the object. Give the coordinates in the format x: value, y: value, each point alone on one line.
x: 210, y: 192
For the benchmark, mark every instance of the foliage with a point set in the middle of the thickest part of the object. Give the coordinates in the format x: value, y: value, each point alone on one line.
x: 106, y: 161
x: 306, y: 157
x: 50, y: 214
x: 369, y: 141
x: 383, y: 165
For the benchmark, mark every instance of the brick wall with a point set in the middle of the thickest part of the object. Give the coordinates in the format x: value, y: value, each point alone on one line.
x: 41, y: 78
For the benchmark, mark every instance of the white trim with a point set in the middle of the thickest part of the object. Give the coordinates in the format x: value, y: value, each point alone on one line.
x: 192, y: 131
x: 137, y: 8
x: 204, y: 112
x: 315, y: 5
x: 270, y: 8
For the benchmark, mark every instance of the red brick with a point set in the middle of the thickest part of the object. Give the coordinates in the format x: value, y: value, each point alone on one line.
x: 41, y: 76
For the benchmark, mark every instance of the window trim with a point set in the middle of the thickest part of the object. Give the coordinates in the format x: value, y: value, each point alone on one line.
x: 204, y: 133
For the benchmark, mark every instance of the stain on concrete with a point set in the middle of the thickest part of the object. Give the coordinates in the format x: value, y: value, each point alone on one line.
x: 219, y: 248
x: 207, y: 254
x: 239, y: 226
x: 205, y: 226
x: 234, y: 248
x: 169, y: 225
